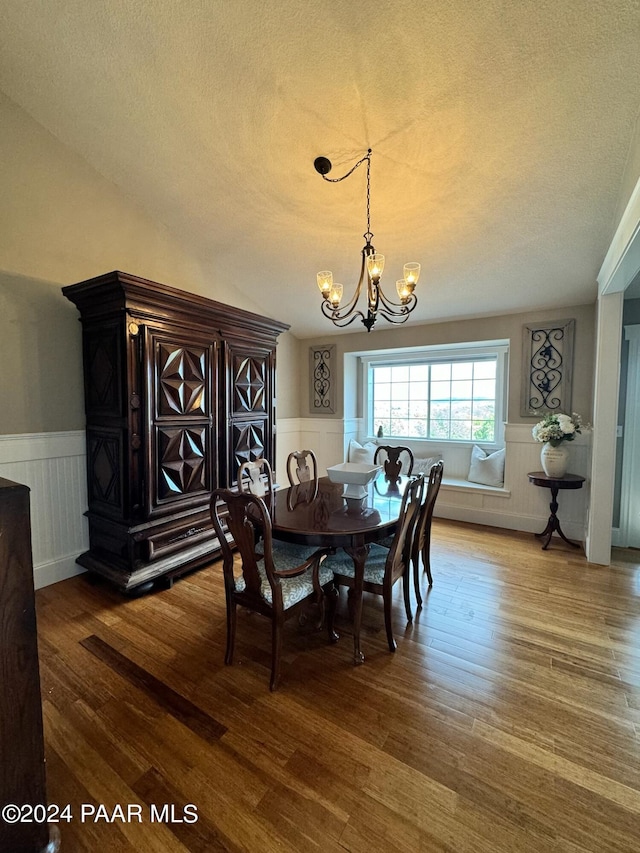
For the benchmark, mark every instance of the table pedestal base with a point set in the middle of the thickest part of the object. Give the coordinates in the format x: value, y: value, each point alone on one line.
x: 553, y: 524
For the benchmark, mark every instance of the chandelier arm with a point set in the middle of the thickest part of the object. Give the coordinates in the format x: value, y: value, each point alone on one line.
x: 345, y: 310
x: 336, y: 319
x: 390, y: 305
x: 396, y: 318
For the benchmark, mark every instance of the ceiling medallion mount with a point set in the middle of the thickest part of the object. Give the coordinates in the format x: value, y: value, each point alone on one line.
x: 372, y: 265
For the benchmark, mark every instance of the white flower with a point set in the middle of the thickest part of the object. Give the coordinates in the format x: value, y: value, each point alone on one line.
x: 556, y: 428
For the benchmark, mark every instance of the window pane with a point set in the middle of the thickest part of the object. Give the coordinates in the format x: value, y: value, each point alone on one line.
x: 483, y: 430
x: 461, y: 430
x: 484, y: 389
x: 400, y: 391
x: 382, y: 391
x: 438, y: 428
x: 461, y: 410
x: 381, y: 410
x: 419, y: 409
x: 440, y: 411
x: 484, y: 410
x: 462, y: 370
x: 419, y: 390
x: 400, y: 373
x: 381, y: 374
x: 419, y: 373
x: 439, y: 372
x: 484, y: 370
x: 441, y: 391
x: 399, y: 426
x: 461, y: 390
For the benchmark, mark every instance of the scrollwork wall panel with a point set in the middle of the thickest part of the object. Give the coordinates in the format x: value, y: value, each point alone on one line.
x: 547, y: 368
x: 322, y: 366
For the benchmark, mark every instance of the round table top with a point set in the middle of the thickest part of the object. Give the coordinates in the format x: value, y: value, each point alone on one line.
x: 329, y: 519
x: 569, y: 481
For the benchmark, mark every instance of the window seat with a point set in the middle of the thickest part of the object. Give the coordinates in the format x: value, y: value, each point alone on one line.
x: 459, y: 484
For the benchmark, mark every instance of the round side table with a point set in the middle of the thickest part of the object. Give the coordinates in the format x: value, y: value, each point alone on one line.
x: 569, y: 481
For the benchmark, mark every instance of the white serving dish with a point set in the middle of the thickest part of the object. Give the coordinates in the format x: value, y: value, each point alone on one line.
x: 356, y: 476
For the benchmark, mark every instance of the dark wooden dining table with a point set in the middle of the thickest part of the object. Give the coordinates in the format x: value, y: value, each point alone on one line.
x: 322, y: 517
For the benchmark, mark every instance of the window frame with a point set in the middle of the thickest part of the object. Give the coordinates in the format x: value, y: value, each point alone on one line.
x: 478, y: 350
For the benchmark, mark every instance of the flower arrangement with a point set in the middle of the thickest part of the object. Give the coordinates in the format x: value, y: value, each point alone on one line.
x: 555, y: 429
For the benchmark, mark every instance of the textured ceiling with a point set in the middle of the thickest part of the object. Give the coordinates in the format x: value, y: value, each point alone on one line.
x: 500, y: 131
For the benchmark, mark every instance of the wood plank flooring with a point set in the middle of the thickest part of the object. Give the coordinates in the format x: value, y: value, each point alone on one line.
x: 508, y: 720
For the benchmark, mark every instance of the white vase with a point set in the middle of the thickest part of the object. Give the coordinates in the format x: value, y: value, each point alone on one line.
x: 554, y: 460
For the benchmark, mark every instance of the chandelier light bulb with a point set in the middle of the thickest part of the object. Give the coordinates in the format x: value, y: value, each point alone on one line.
x: 412, y: 273
x: 335, y: 295
x: 325, y: 282
x: 375, y: 266
x: 405, y: 289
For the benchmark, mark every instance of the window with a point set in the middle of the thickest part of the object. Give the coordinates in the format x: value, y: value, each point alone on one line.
x: 450, y: 395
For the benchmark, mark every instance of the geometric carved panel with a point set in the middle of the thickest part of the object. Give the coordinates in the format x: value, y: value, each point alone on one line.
x: 181, y: 379
x: 182, y: 468
x: 102, y: 372
x: 103, y: 466
x: 248, y: 443
x: 249, y: 384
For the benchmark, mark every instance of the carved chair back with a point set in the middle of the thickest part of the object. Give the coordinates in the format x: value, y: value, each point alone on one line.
x: 399, y: 553
x: 393, y: 465
x: 306, y: 467
x: 256, y: 477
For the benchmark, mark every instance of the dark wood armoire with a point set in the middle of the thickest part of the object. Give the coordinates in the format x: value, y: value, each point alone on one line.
x: 179, y: 391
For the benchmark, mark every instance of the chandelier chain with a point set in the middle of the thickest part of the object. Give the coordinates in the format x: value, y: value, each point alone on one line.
x: 368, y: 235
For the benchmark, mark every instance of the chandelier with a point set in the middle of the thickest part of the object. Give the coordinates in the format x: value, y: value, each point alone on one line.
x: 373, y: 265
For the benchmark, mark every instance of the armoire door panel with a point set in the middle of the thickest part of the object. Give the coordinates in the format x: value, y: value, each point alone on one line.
x: 183, y: 378
x: 183, y: 463
x: 249, y: 382
x: 249, y: 441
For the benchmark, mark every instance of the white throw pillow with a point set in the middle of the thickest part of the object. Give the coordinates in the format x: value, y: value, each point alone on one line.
x: 361, y: 453
x: 487, y: 470
x: 424, y: 465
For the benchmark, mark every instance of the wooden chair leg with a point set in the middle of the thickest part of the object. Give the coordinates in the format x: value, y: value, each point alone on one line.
x: 387, y: 620
x: 276, y: 650
x: 332, y: 595
x: 426, y: 557
x: 231, y: 630
x: 416, y: 579
x: 406, y: 593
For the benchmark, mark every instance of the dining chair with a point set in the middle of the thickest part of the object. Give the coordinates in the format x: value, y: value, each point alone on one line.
x: 278, y: 582
x: 384, y: 566
x: 306, y: 469
x: 393, y: 465
x: 256, y: 477
x: 421, y: 541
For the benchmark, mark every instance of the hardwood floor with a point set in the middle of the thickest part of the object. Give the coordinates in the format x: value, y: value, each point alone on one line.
x: 508, y: 720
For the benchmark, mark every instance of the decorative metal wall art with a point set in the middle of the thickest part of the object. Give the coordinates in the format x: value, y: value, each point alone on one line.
x: 547, y: 368
x: 322, y: 365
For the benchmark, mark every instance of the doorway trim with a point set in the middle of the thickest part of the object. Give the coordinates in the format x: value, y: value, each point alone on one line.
x: 629, y: 499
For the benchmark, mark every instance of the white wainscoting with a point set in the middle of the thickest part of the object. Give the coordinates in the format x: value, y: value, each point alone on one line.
x: 522, y: 506
x: 52, y: 465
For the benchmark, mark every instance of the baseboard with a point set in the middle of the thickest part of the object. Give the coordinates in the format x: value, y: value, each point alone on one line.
x: 508, y: 521
x: 55, y: 571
